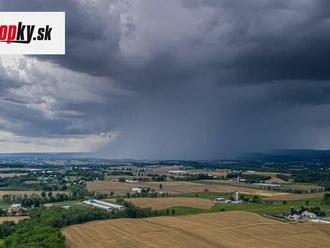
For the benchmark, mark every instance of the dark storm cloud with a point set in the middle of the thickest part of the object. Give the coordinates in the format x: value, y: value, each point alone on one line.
x: 183, y: 79
x: 301, y: 92
x: 235, y: 41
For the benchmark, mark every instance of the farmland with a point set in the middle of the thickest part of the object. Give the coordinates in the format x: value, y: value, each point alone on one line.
x: 162, y: 203
x: 227, y: 229
x: 165, y: 199
x: 175, y: 187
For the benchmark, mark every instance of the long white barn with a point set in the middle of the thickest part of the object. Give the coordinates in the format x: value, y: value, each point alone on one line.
x: 103, y: 205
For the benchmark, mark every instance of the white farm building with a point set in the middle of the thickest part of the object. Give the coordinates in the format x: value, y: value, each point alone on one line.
x: 137, y: 190
x: 103, y: 205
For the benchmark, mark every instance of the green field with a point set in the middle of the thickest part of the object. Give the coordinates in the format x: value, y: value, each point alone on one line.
x: 260, y: 208
x: 206, y: 195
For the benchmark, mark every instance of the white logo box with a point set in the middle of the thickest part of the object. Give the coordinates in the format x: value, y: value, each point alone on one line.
x: 51, y: 24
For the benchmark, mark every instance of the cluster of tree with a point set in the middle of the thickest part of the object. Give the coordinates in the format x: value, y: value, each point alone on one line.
x: 283, y: 177
x: 159, y: 178
x: 37, y: 181
x: 120, y: 172
x: 31, y: 235
x: 36, y: 200
x: 132, y: 211
x: 249, y: 198
x: 316, y: 210
x: 250, y: 178
x: 294, y: 190
x: 320, y: 177
x: 327, y: 198
x: 198, y: 177
x: 86, y: 174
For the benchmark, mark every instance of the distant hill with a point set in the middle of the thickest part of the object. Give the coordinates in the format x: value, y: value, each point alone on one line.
x: 62, y: 155
x: 289, y: 155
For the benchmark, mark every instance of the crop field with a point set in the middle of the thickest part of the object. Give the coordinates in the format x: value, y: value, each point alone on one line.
x: 12, y: 218
x: 162, y: 203
x: 226, y: 229
x: 295, y: 197
x: 176, y: 187
x: 286, y: 188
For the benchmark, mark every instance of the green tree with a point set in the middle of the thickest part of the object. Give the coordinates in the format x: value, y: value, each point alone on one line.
x: 327, y: 198
x: 34, y: 236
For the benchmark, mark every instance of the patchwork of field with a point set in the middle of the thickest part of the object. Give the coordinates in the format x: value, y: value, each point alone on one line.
x: 175, y: 187
x: 13, y: 218
x: 162, y: 203
x: 226, y: 229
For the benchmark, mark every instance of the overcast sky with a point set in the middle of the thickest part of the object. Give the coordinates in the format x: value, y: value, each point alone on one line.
x: 174, y: 79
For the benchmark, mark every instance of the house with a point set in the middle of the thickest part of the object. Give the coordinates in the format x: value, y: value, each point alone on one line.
x: 16, y: 206
x: 294, y: 217
x: 131, y: 181
x: 15, y: 209
x: 179, y: 172
x: 137, y: 190
x: 219, y: 200
x: 308, y: 215
x: 302, y: 216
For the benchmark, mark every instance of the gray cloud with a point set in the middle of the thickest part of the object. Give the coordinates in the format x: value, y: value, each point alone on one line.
x: 178, y: 79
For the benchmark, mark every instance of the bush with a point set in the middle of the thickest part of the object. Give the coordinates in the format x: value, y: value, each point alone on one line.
x: 327, y: 198
x: 28, y: 235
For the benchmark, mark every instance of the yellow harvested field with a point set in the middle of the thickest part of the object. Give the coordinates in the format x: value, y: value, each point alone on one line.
x: 162, y: 203
x: 108, y: 186
x: 175, y: 187
x: 226, y: 229
x: 13, y: 218
x: 294, y: 197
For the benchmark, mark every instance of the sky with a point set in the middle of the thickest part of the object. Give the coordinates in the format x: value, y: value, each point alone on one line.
x: 174, y: 79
